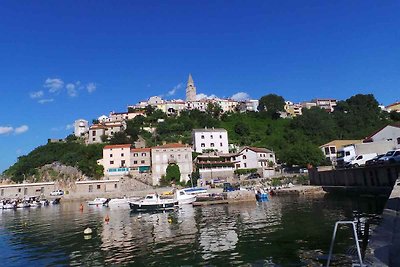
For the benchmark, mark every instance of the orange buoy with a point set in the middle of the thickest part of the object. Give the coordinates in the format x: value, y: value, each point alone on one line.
x: 107, y: 218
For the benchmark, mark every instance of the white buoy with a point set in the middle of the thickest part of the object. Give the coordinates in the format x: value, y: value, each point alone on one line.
x: 87, y: 231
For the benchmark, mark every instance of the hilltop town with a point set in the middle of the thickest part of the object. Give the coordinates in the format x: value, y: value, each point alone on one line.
x: 214, y: 139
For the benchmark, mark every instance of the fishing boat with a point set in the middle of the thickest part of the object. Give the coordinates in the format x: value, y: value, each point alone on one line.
x: 98, y: 201
x: 153, y: 202
x: 184, y: 198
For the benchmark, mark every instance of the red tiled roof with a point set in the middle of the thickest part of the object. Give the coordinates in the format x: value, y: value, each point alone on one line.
x: 171, y: 145
x: 146, y: 149
x: 117, y: 146
x: 394, y: 104
x: 256, y: 149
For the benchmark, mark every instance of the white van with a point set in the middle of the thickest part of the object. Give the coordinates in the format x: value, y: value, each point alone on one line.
x: 360, y: 160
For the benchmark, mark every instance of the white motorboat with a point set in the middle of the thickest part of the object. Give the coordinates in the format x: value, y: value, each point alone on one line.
x: 118, y: 203
x: 98, y: 201
x: 153, y: 202
x: 9, y: 206
x: 195, y: 191
x: 184, y: 198
x: 23, y: 205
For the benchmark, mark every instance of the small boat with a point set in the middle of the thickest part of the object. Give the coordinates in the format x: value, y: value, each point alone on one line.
x: 261, y: 195
x: 184, y: 198
x: 118, y: 203
x: 153, y: 202
x: 9, y: 206
x: 195, y: 191
x: 98, y: 201
x: 23, y: 205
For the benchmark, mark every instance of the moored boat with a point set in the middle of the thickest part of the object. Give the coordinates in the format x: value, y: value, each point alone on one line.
x: 184, y: 198
x: 118, y: 203
x: 153, y: 202
x: 98, y: 201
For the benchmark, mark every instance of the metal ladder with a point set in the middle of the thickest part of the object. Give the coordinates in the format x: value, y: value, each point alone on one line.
x: 355, y: 238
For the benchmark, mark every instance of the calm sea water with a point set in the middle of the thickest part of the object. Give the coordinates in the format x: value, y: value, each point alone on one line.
x: 286, y: 231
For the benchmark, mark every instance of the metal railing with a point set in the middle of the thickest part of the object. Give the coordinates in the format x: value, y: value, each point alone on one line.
x: 355, y: 238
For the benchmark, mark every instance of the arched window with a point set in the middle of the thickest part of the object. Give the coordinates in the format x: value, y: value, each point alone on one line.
x: 244, y: 157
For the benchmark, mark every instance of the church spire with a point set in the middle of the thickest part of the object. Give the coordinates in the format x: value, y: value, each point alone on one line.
x: 190, y: 89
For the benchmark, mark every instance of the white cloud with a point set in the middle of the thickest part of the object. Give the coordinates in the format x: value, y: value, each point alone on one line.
x: 21, y: 129
x: 6, y: 129
x: 202, y: 96
x: 44, y: 101
x: 71, y: 90
x: 91, y: 87
x: 54, y: 85
x: 37, y: 94
x: 69, y: 127
x: 240, y: 96
x: 173, y: 90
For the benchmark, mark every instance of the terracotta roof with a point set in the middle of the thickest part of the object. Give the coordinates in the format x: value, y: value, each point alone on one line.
x: 341, y: 143
x: 256, y: 149
x: 171, y: 145
x: 146, y: 149
x: 97, y: 127
x: 394, y: 104
x: 117, y: 146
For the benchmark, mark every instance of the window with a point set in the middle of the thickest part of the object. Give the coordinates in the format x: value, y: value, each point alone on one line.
x: 244, y: 157
x: 203, y: 145
x: 111, y: 162
x: 202, y: 137
x: 220, y: 136
x: 135, y: 154
x: 220, y: 144
x: 333, y: 150
x: 94, y: 139
x: 19, y: 190
x: 98, y: 186
x: 211, y: 136
x: 142, y: 162
x: 212, y: 144
x: 122, y: 154
x: 115, y: 186
x: 398, y: 140
x: 143, y: 154
x: 111, y: 156
x: 94, y: 133
x: 90, y: 188
x: 135, y: 162
x: 348, y: 153
x: 122, y: 162
x: 245, y: 165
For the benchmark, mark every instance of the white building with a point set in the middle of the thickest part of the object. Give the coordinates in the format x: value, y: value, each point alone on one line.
x: 162, y: 156
x: 81, y: 127
x: 116, y: 159
x: 210, y: 139
x: 261, y: 159
x: 388, y: 133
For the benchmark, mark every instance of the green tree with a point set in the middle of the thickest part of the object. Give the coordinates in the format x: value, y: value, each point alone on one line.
x: 302, y: 154
x: 149, y: 110
x: 120, y: 138
x: 214, y: 109
x: 241, y: 128
x: 272, y: 104
x: 173, y: 174
x: 132, y: 130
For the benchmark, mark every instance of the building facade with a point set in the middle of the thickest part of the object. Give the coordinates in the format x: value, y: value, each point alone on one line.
x: 210, y: 139
x: 261, y: 159
x: 81, y: 127
x: 116, y: 159
x: 162, y: 156
x: 140, y: 160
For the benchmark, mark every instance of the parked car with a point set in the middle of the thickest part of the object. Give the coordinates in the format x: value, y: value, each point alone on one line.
x: 390, y: 157
x: 58, y: 192
x: 253, y: 176
x: 374, y: 161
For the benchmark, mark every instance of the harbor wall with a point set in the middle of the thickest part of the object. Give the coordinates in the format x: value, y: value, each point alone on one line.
x: 118, y: 186
x: 378, y: 179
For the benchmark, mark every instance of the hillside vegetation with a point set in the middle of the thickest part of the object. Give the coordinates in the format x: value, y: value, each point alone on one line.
x: 295, y: 141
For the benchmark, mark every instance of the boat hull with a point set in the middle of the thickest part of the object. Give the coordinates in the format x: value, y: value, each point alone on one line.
x: 153, y: 207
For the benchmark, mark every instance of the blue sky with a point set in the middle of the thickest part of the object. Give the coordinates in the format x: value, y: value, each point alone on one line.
x: 64, y: 60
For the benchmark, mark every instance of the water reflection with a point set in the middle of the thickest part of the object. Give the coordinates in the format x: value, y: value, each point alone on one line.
x: 283, y: 231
